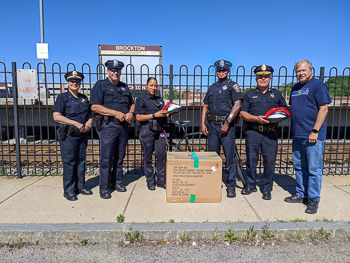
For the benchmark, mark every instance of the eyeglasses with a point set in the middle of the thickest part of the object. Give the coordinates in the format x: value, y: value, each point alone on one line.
x: 264, y: 76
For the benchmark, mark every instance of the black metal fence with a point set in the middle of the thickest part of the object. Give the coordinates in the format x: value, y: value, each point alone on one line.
x: 29, y: 143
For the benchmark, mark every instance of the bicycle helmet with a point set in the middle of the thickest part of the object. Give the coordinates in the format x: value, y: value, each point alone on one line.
x: 172, y: 108
x: 277, y: 114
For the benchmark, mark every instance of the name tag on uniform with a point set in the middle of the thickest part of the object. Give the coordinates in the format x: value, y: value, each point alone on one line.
x: 254, y: 97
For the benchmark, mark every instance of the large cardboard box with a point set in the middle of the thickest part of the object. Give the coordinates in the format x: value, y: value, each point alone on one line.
x: 193, y: 177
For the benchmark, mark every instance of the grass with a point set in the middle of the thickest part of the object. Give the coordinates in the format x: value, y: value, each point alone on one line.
x: 230, y: 237
x: 185, y: 236
x: 296, y: 220
x: 120, y: 218
x: 281, y: 221
x: 171, y: 221
x: 133, y: 236
x: 324, y: 234
x: 239, y: 222
x: 266, y: 233
x: 215, y: 234
x: 250, y: 234
x: 84, y: 242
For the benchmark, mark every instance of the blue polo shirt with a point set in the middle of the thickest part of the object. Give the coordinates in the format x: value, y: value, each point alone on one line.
x: 305, y: 100
x: 220, y: 96
x: 73, y: 108
x: 114, y: 97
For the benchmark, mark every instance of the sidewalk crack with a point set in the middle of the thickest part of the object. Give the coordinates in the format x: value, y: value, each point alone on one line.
x: 20, y: 190
x: 253, y: 209
x: 337, y: 186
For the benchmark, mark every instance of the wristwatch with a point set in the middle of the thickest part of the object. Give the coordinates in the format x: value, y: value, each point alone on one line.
x: 227, y: 122
x: 315, y: 131
x: 153, y: 116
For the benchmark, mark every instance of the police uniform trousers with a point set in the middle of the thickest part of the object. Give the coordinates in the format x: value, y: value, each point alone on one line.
x: 113, y: 140
x: 268, y: 143
x: 215, y: 139
x: 153, y: 141
x: 73, y: 153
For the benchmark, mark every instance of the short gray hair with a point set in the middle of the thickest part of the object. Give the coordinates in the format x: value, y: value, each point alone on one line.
x: 301, y: 61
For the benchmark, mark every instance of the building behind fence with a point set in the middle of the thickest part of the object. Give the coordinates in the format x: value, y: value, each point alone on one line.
x: 28, y: 133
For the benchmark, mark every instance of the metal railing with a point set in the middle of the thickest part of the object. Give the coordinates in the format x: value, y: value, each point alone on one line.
x: 28, y: 136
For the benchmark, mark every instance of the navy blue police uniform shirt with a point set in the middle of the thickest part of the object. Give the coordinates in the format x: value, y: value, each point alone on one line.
x: 73, y: 108
x: 220, y: 96
x: 257, y: 103
x: 144, y: 105
x: 115, y: 97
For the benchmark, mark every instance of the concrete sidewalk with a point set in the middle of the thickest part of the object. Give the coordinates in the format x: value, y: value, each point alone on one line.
x: 39, y: 200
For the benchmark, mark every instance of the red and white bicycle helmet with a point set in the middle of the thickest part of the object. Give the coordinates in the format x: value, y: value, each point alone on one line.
x: 172, y: 108
x: 277, y: 114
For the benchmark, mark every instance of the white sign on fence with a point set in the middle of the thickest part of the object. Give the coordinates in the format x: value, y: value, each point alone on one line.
x: 27, y: 84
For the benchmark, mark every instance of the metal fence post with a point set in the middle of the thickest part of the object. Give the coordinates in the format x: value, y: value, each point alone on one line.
x: 322, y: 74
x: 16, y: 121
x: 171, y: 82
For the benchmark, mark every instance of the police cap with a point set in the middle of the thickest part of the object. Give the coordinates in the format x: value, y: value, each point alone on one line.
x: 74, y: 76
x: 263, y: 70
x: 222, y: 65
x: 114, y: 64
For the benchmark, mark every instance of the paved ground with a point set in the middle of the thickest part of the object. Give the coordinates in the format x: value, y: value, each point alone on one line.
x: 34, y: 208
x: 40, y: 199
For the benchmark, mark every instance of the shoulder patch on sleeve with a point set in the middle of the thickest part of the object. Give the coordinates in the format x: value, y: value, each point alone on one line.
x: 236, y: 87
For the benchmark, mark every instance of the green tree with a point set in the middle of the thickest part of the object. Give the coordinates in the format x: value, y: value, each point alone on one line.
x: 176, y: 95
x: 338, y: 86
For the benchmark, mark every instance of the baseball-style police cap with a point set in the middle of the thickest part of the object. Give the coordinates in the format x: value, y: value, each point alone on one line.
x: 222, y: 65
x: 263, y: 70
x: 114, y: 64
x: 74, y: 76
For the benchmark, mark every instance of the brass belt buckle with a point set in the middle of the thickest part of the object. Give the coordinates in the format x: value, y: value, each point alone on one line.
x: 261, y: 128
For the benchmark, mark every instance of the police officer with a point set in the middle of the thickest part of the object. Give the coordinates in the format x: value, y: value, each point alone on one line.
x: 72, y: 111
x: 152, y: 136
x: 111, y: 100
x: 223, y: 100
x: 260, y: 133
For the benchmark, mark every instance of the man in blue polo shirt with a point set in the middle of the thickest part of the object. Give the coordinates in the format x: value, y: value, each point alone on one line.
x: 309, y: 100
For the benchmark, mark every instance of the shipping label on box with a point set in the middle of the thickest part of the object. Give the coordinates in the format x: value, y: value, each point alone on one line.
x: 193, y: 177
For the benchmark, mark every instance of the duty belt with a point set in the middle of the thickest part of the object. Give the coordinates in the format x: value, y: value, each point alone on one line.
x: 216, y: 118
x: 263, y: 128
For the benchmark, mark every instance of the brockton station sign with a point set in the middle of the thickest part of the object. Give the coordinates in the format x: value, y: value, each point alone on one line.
x: 130, y: 50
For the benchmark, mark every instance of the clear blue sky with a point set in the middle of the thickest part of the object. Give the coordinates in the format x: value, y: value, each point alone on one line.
x: 191, y: 32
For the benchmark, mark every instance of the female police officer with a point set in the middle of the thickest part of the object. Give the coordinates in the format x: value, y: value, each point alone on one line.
x: 73, y: 112
x: 151, y: 116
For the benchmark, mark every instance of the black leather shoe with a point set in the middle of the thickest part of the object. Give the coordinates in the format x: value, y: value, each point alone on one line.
x: 71, y: 196
x: 231, y: 193
x: 161, y: 186
x: 85, y: 192
x: 120, y: 188
x: 151, y: 187
x: 105, y: 194
x: 248, y: 191
x: 312, y: 206
x: 295, y: 199
x: 266, y: 195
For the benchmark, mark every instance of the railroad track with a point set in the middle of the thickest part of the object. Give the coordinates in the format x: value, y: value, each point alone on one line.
x: 49, y: 154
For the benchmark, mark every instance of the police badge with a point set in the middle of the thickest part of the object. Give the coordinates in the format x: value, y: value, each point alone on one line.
x: 222, y: 63
x: 82, y: 100
x: 272, y: 95
x: 224, y: 87
x: 263, y: 67
x: 115, y: 63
